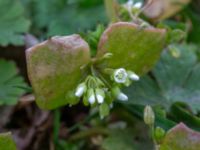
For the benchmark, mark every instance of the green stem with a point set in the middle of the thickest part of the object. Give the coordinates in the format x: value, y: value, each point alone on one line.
x: 104, y: 80
x: 93, y: 70
x: 111, y: 9
x: 56, y: 125
x: 89, y: 133
x: 87, y: 119
x: 152, y: 136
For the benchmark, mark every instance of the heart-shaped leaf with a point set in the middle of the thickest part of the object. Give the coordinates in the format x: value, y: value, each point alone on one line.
x: 133, y: 47
x: 181, y: 138
x: 6, y: 142
x: 54, y: 69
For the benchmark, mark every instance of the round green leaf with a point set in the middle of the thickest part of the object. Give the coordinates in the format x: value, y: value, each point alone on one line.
x: 54, y: 69
x: 133, y: 47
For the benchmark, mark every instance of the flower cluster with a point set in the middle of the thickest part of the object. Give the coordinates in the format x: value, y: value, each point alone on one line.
x: 96, y: 90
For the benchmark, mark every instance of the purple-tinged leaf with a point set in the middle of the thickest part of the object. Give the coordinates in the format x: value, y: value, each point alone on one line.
x: 181, y: 138
x: 54, y: 69
x: 132, y: 46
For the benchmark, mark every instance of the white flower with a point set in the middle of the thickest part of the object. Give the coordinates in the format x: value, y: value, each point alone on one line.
x: 91, y: 99
x: 120, y: 75
x: 122, y: 97
x: 100, y: 95
x: 133, y: 76
x: 91, y: 96
x: 137, y: 5
x: 100, y: 99
x: 80, y: 90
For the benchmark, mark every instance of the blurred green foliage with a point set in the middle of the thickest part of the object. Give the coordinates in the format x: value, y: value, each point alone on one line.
x: 123, y: 139
x: 12, y: 23
x: 7, y: 142
x: 175, y: 78
x: 61, y: 17
x: 193, y: 15
x: 12, y: 86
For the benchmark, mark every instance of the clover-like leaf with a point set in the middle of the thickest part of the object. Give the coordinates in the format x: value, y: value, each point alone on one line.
x: 133, y: 47
x: 66, y: 16
x: 162, y: 9
x: 6, y: 142
x: 181, y: 138
x: 54, y: 68
x: 12, y: 86
x: 12, y: 22
x: 176, y: 80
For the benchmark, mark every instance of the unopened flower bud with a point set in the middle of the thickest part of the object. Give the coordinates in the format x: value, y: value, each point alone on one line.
x: 80, y: 89
x: 100, y: 95
x: 133, y: 76
x: 159, y: 134
x: 122, y: 97
x: 91, y: 96
x: 120, y: 75
x: 149, y: 116
x: 118, y: 94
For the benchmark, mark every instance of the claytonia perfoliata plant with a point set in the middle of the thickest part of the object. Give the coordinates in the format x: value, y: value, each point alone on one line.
x: 95, y: 77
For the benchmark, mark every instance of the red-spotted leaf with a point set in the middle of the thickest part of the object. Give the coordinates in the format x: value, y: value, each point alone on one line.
x: 181, y: 138
x: 133, y: 47
x: 54, y: 69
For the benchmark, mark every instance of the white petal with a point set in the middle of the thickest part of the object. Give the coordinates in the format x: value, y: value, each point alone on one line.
x: 100, y: 99
x: 138, y: 5
x: 91, y: 99
x: 130, y: 2
x: 122, y: 97
x: 134, y: 77
x: 120, y: 75
x: 79, y: 92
